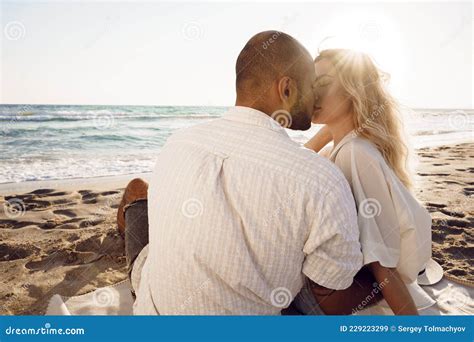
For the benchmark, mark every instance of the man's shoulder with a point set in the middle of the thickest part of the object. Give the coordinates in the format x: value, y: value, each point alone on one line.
x: 318, y: 168
x: 274, y: 151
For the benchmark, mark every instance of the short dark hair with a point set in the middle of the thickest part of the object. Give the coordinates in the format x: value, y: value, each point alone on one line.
x: 267, y: 56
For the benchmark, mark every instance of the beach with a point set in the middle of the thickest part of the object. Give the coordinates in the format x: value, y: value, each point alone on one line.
x: 446, y: 188
x: 60, y: 237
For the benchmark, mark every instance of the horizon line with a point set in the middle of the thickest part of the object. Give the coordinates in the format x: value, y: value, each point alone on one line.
x: 221, y: 105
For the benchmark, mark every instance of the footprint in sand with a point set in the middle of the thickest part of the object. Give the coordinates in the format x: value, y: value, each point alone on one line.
x: 62, y: 258
x: 453, y: 182
x: 427, y: 155
x: 70, y: 224
x: 433, y: 207
x: 14, y: 224
x: 91, y: 222
x: 30, y: 203
x: 42, y: 191
x: 468, y: 191
x: 107, y: 193
x: 452, y: 213
x: 110, y: 244
x: 15, y: 252
x: 65, y: 212
x: 440, y: 232
x: 461, y: 252
x: 436, y: 205
x: 433, y: 174
x: 457, y: 272
x: 90, y: 197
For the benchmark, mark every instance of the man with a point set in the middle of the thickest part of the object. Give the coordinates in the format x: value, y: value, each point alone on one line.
x: 240, y: 216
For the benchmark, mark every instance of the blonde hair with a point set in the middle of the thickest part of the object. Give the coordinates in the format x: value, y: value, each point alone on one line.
x: 376, y: 113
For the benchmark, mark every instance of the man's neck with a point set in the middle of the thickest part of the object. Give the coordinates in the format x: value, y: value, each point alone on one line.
x: 252, y: 105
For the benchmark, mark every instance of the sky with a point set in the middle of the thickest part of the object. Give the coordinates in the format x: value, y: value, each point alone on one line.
x: 163, y: 53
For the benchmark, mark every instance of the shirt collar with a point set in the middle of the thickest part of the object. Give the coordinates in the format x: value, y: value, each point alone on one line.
x: 253, y: 117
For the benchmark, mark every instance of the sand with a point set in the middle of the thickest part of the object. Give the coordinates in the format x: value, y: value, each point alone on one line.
x: 446, y: 187
x: 61, y: 237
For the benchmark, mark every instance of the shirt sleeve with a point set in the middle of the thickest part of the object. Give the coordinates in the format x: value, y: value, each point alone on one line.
x: 332, y: 250
x: 376, y: 213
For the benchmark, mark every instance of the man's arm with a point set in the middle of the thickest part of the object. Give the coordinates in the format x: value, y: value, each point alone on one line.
x: 361, y: 294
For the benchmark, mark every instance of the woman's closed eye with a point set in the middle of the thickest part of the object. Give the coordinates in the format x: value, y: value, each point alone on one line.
x: 323, y: 81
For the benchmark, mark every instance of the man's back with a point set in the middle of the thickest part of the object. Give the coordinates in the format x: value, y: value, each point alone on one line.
x: 238, y: 214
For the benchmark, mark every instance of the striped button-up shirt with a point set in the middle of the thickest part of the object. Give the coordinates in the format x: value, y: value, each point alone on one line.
x: 239, y: 214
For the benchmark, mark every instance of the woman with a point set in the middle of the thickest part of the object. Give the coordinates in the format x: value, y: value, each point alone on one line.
x: 362, y: 119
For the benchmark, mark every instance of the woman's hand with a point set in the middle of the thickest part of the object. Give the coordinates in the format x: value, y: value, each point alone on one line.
x: 320, y: 139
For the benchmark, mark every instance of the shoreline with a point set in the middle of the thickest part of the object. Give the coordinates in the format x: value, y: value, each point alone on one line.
x: 120, y: 181
x: 96, y: 183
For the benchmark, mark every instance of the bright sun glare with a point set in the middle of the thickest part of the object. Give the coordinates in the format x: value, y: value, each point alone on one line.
x: 371, y: 33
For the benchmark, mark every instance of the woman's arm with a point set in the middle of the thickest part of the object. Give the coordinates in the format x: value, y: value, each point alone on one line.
x: 393, y: 289
x: 320, y: 139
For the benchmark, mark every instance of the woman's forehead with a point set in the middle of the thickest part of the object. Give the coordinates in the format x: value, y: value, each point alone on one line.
x: 323, y: 66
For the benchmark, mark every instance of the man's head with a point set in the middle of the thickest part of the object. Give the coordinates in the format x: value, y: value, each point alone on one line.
x: 275, y: 74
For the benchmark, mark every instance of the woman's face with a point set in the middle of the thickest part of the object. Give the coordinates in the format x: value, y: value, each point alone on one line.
x: 331, y: 103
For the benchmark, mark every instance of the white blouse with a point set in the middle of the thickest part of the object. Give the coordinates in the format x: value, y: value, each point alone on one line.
x: 395, y: 229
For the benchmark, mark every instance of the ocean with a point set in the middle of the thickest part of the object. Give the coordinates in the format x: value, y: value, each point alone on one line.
x: 53, y: 142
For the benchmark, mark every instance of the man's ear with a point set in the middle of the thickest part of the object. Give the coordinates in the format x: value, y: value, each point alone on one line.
x: 287, y: 91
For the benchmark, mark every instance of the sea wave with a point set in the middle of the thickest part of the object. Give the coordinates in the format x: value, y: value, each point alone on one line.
x: 61, y: 142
